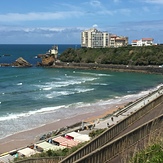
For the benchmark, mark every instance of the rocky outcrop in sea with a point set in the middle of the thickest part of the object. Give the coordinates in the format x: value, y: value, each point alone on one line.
x: 20, y: 62
x: 46, y: 60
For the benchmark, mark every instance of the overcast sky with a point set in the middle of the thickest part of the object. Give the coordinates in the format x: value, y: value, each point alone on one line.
x: 61, y: 21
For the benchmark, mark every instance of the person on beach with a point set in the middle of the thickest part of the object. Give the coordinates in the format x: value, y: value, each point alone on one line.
x: 108, y: 124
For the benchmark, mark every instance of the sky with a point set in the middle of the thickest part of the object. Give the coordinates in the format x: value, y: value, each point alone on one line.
x: 62, y: 21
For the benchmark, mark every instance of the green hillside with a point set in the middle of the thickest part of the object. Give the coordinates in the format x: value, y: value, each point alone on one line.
x: 151, y: 55
x: 151, y: 154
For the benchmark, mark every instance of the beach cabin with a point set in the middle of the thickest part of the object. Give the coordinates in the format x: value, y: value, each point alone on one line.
x: 66, y: 142
x: 78, y: 137
x: 45, y: 146
x: 26, y: 152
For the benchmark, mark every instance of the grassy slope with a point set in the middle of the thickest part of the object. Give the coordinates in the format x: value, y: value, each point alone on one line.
x: 151, y: 55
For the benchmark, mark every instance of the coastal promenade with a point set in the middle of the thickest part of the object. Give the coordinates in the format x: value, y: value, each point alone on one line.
x: 125, y: 112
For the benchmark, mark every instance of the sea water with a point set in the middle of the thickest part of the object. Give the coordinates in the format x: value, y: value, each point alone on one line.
x: 31, y: 97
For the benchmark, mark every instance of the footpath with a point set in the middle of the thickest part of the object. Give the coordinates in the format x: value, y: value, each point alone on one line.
x: 125, y: 112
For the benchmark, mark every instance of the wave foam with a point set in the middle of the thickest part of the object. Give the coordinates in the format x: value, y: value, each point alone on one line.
x: 27, y: 114
x: 94, y: 74
x: 67, y: 93
x: 19, y: 84
x: 60, y: 84
x: 47, y: 88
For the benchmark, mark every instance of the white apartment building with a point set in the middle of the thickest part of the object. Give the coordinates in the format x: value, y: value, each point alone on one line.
x: 93, y: 38
x: 143, y: 42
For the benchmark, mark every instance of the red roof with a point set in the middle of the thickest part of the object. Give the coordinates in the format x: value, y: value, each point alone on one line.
x: 147, y: 39
x: 134, y: 41
x: 65, y: 142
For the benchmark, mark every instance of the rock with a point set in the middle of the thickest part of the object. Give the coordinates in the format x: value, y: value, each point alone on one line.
x: 47, y: 60
x: 20, y: 62
x: 5, y: 64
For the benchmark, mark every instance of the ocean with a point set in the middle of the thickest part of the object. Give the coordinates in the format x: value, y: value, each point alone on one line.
x: 32, y: 97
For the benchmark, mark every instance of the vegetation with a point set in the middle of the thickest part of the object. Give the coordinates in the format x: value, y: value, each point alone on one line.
x: 149, y: 55
x: 95, y: 133
x: 152, y: 154
x: 51, y: 153
x: 62, y: 152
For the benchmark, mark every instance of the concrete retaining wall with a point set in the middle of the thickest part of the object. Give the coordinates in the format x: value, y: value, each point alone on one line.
x: 147, y: 69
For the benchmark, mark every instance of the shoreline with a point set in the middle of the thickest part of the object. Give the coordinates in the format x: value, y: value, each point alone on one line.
x: 149, y: 69
x: 28, y: 137
x: 111, y: 67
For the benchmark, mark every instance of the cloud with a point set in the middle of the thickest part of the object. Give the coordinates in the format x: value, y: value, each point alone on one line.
x: 95, y: 3
x: 44, y: 35
x: 95, y: 26
x: 153, y: 25
x: 32, y: 16
x: 154, y: 1
x: 116, y: 1
x: 146, y: 9
x: 124, y: 11
x: 39, y: 29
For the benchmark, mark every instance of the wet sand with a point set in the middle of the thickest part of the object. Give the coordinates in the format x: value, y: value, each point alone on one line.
x: 25, y: 138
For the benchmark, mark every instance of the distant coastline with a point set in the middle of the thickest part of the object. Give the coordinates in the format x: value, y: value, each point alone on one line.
x: 110, y: 67
x: 94, y: 66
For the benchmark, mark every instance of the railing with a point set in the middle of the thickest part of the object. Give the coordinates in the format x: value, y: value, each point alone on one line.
x: 111, y: 150
x: 111, y: 133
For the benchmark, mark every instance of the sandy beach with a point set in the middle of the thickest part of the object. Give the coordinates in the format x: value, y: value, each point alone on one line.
x: 25, y: 138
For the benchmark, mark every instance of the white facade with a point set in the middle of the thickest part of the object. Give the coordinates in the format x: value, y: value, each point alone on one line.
x: 143, y: 42
x: 53, y: 51
x: 94, y: 39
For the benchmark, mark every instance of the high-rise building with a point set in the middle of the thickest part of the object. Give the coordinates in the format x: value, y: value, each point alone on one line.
x: 93, y: 38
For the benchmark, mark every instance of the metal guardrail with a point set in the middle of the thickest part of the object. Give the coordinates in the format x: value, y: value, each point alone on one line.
x: 114, y: 148
x: 112, y: 132
x: 137, y: 101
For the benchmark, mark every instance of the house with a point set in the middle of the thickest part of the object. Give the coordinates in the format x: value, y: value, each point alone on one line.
x: 143, y: 42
